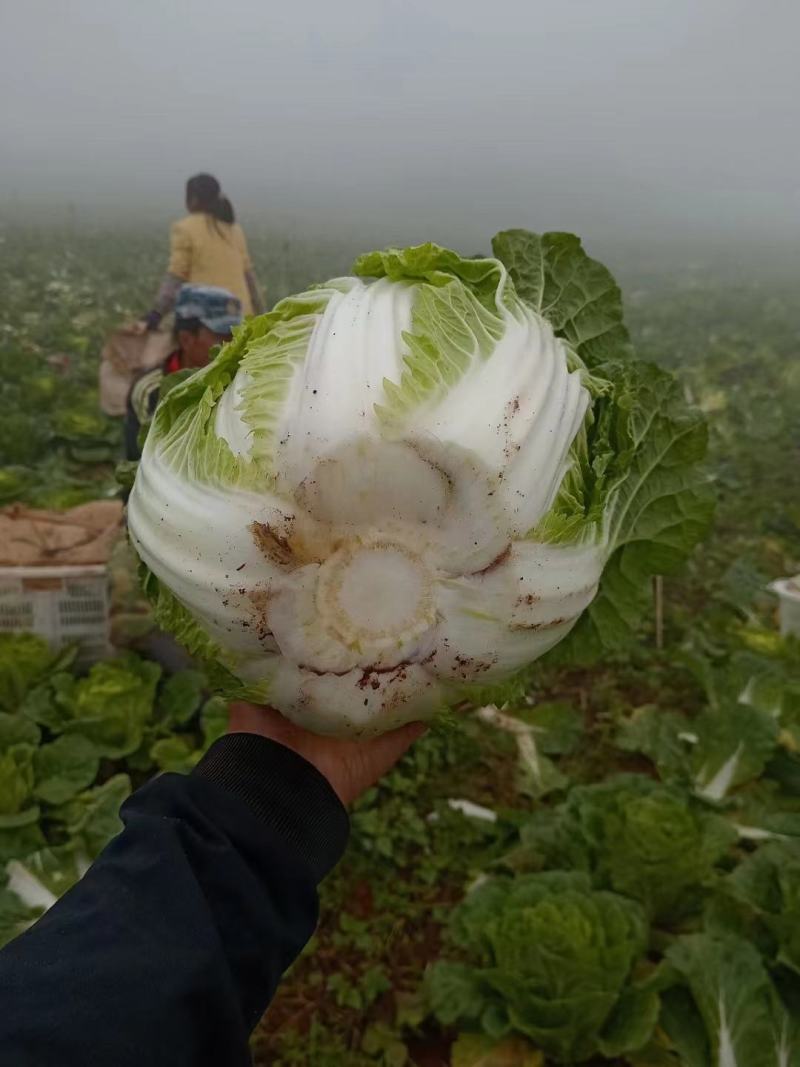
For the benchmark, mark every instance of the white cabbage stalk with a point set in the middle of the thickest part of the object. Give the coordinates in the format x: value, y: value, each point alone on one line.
x: 340, y: 508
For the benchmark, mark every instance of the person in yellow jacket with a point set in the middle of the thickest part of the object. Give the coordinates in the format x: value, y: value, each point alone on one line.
x: 207, y: 247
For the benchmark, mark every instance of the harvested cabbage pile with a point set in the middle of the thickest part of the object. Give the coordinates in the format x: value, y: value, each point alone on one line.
x: 403, y: 485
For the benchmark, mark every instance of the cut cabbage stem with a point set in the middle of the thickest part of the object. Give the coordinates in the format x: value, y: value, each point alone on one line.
x: 523, y: 734
x: 376, y: 594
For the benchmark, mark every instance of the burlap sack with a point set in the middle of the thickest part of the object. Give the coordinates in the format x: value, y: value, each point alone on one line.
x: 126, y: 355
x: 30, y: 537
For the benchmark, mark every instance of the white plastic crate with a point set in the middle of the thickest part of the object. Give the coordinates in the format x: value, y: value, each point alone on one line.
x: 788, y: 590
x: 64, y: 605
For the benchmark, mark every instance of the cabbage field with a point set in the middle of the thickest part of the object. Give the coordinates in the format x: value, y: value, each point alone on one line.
x: 606, y: 870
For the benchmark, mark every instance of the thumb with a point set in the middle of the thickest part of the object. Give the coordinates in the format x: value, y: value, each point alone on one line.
x: 386, y: 750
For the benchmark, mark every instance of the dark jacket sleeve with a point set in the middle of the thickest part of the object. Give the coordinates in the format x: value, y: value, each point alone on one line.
x: 170, y: 948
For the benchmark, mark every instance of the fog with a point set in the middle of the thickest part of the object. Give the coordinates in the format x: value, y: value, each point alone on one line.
x: 410, y: 120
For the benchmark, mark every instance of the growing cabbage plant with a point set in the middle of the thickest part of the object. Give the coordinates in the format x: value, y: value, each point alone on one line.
x: 550, y: 958
x: 401, y: 485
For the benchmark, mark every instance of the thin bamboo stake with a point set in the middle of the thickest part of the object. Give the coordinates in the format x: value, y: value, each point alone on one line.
x: 658, y: 594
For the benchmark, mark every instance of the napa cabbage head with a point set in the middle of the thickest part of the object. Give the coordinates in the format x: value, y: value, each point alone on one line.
x: 402, y: 484
x: 548, y: 957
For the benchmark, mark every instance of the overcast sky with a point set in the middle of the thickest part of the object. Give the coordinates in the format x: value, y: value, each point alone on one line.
x: 444, y: 119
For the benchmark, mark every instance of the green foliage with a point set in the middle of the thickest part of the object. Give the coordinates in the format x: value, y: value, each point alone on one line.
x: 110, y: 707
x: 64, y: 767
x: 649, y: 842
x: 24, y: 660
x: 752, y: 709
x: 383, y: 1045
x: 180, y: 697
x: 213, y: 720
x: 373, y: 983
x: 13, y: 483
x: 477, y: 1050
x: 664, y: 847
x: 557, y: 726
x: 123, y: 708
x: 67, y: 752
x: 176, y: 753
x: 61, y: 299
x: 22, y: 439
x: 634, y: 484
x: 15, y: 915
x: 732, y: 747
x: 767, y: 886
x: 16, y: 784
x: 92, y: 818
x: 551, y: 959
x: 577, y: 294
x: 734, y: 1014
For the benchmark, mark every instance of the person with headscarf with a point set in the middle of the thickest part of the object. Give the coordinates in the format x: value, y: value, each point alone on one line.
x: 207, y: 247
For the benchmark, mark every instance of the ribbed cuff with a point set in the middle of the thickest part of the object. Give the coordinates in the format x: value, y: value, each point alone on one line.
x: 285, y: 792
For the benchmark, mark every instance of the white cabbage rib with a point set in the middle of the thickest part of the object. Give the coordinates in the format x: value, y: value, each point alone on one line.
x: 379, y: 565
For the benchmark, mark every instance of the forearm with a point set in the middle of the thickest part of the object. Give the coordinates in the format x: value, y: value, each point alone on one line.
x: 165, y: 299
x: 256, y: 299
x: 170, y: 948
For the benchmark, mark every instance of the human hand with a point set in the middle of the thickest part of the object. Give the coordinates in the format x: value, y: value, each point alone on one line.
x: 350, y: 767
x: 137, y: 328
